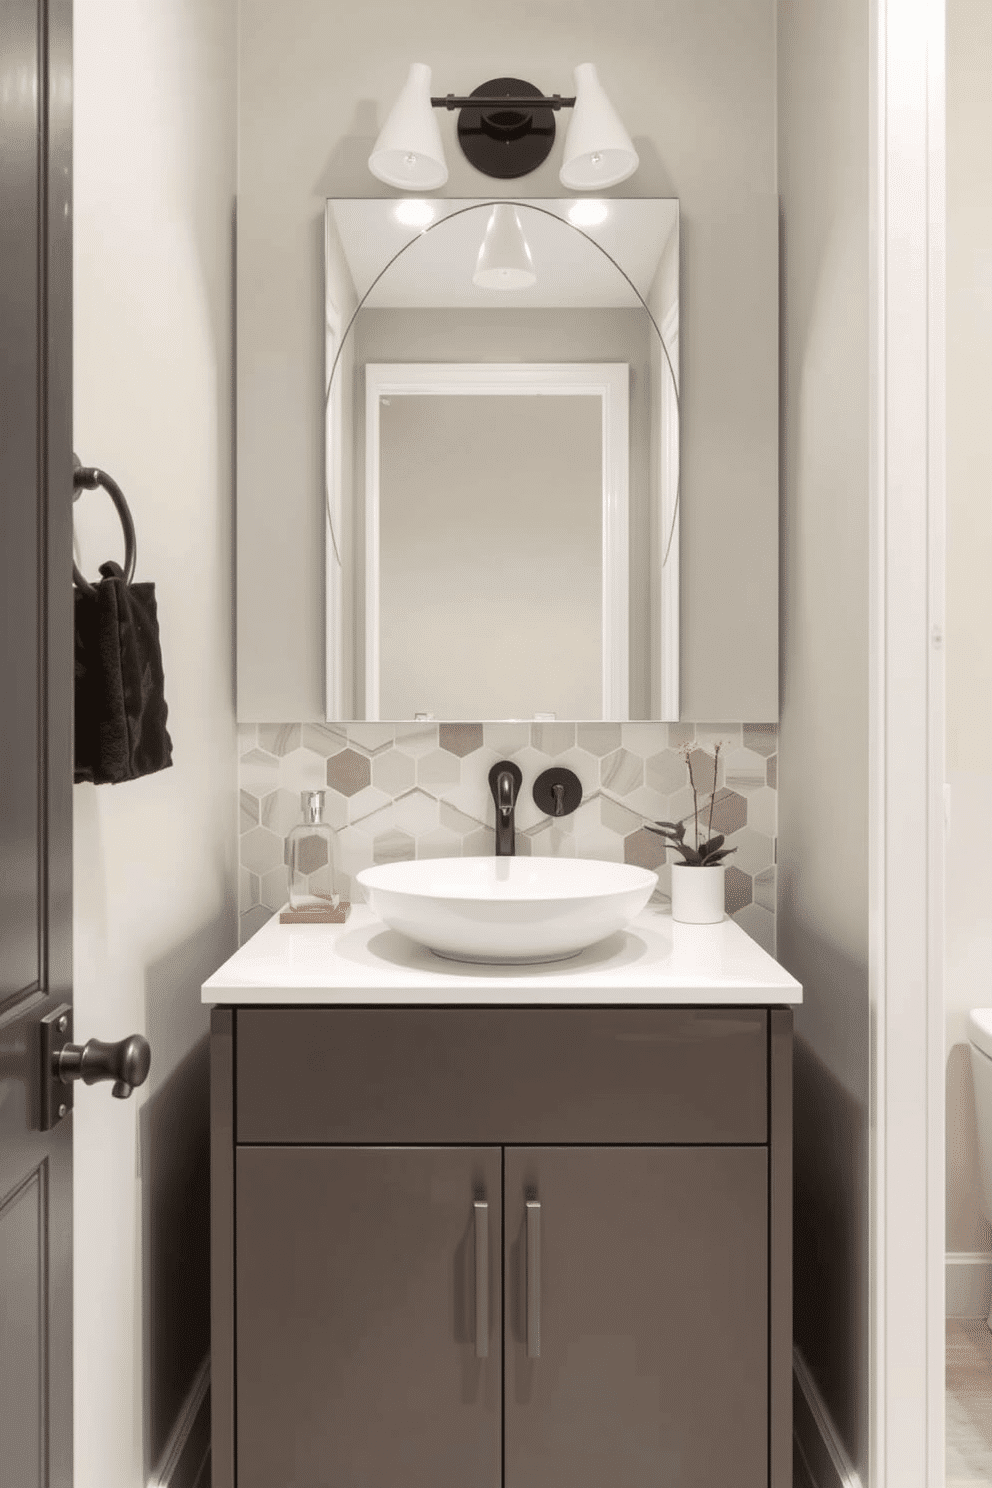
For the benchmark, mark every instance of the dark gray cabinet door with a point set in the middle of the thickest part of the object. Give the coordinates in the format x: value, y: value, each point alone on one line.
x: 645, y: 1274
x: 357, y: 1351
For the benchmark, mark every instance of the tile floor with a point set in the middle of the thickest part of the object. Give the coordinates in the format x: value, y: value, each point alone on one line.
x: 969, y: 1404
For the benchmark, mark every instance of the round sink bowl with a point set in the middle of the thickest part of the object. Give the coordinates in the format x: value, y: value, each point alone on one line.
x: 507, y: 910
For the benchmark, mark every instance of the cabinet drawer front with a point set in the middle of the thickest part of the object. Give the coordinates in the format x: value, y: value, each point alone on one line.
x: 502, y: 1075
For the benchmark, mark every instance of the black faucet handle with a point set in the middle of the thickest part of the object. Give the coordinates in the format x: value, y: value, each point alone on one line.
x: 558, y: 791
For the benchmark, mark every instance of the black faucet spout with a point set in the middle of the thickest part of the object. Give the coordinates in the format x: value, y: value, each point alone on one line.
x: 505, y: 780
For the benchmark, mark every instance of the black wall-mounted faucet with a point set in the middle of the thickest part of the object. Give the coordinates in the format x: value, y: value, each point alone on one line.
x: 505, y: 780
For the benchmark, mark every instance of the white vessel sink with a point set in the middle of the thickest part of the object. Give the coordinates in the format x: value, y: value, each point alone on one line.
x: 507, y: 910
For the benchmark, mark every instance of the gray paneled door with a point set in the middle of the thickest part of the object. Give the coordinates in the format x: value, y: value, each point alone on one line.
x: 640, y: 1276
x: 369, y: 1306
x: 35, y: 732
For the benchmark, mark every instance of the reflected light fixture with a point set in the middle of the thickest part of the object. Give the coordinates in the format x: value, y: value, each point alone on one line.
x: 506, y: 128
x: 410, y: 212
x: 587, y: 213
x: 504, y: 260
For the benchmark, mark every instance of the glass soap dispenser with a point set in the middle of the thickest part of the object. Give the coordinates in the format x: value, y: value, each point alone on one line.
x: 312, y: 852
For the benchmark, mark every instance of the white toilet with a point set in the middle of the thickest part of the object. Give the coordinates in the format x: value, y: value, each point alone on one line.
x: 980, y: 1038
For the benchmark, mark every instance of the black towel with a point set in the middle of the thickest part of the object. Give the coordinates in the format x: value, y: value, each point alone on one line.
x: 120, y: 686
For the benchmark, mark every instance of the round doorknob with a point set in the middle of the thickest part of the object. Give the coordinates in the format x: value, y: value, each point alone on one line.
x: 126, y: 1063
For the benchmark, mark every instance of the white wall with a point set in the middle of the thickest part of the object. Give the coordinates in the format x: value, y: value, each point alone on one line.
x: 968, y: 932
x: 155, y: 858
x: 695, y: 85
x: 823, y: 134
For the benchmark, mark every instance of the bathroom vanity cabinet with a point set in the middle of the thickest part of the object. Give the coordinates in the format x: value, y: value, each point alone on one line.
x: 477, y: 1245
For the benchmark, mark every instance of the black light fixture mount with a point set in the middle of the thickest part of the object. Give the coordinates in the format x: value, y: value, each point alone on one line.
x: 514, y: 133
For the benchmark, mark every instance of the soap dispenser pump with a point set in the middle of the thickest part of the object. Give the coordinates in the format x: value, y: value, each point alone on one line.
x: 312, y: 856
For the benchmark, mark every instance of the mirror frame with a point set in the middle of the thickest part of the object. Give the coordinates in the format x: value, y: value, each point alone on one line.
x: 665, y: 482
x: 607, y: 381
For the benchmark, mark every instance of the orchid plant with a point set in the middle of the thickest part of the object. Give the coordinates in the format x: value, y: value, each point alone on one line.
x: 705, y: 854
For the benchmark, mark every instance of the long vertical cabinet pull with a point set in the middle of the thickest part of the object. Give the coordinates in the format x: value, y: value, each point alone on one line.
x: 533, y: 1279
x: 481, y: 1279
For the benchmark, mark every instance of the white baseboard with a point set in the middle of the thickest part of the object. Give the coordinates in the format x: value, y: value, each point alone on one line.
x: 186, y: 1450
x: 816, y: 1435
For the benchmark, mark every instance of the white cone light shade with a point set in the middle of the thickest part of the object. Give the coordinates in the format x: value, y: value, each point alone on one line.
x: 598, y: 150
x: 504, y: 260
x: 408, y: 152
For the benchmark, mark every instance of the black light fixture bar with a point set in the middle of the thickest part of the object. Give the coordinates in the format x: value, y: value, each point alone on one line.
x: 449, y: 101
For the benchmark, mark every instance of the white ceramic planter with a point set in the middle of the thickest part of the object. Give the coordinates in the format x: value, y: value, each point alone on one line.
x: 697, y: 894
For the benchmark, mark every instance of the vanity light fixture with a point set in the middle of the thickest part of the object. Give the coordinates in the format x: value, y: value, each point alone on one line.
x: 506, y: 129
x: 504, y: 260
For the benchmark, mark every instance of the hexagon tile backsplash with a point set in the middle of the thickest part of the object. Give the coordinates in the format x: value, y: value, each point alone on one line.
x: 421, y: 790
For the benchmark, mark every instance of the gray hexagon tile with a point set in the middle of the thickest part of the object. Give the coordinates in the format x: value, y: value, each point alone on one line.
x: 279, y: 738
x: 645, y: 849
x: 281, y: 811
x: 393, y: 771
x: 618, y: 819
x: 440, y: 843
x: 759, y: 924
x: 762, y: 738
x: 457, y: 821
x: 371, y: 737
x: 261, y: 850
x: 440, y: 767
x: 649, y: 804
x: 253, y: 920
x: 506, y: 738
x: 275, y: 887
x: 393, y: 847
x: 764, y: 889
x: 349, y: 772
x: 480, y: 843
x: 680, y: 734
x: 364, y: 802
x: 414, y: 812
x: 621, y: 772
x: 552, y: 738
x: 644, y: 739
x: 598, y: 738
x: 753, y: 851
x: 729, y: 812
x: 249, y: 811
x: 762, y: 811
x: 249, y: 892
x: 460, y: 738
x: 743, y: 770
x: 737, y: 890
x: 247, y: 738
x: 665, y: 772
x: 416, y: 739
x: 704, y: 766
x: 303, y: 769
x: 259, y: 772
x: 324, y: 739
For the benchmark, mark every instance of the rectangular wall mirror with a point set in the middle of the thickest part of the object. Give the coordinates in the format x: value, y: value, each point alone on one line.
x: 502, y: 459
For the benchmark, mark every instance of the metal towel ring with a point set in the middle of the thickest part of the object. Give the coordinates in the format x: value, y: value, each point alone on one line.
x: 87, y: 478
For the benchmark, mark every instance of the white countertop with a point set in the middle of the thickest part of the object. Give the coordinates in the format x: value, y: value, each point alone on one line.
x: 363, y: 962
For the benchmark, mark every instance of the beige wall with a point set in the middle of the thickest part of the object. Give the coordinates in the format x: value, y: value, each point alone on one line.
x: 823, y: 133
x: 968, y: 932
x: 155, y: 858
x: 695, y: 85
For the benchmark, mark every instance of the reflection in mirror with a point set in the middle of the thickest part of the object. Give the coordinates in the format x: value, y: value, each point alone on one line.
x: 502, y: 463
